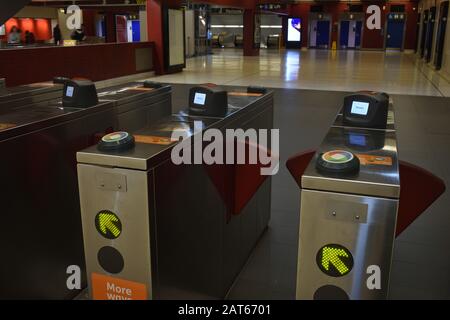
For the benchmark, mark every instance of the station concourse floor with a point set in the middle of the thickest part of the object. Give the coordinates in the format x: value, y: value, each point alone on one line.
x: 309, y: 87
x: 420, y: 261
x: 350, y: 70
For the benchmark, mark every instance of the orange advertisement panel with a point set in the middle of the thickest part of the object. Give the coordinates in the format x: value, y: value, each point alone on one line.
x: 109, y: 288
x: 367, y: 159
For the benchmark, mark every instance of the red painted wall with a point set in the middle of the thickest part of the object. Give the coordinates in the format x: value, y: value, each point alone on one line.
x: 411, y: 25
x: 249, y: 33
x: 374, y: 39
x: 154, y: 29
x: 247, y: 4
x: 89, y: 22
x: 41, y: 28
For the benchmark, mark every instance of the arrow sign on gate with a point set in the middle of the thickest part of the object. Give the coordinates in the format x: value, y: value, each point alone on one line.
x: 108, y: 224
x: 334, y: 260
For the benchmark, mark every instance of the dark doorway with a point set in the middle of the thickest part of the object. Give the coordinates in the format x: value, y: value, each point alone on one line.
x: 429, y: 34
x: 395, y: 30
x: 319, y: 35
x: 350, y: 34
x: 423, y: 33
x: 440, y: 38
x: 416, y: 47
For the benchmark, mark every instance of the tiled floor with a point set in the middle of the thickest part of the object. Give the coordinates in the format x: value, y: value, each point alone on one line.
x: 420, y: 268
x: 421, y: 258
x: 395, y: 72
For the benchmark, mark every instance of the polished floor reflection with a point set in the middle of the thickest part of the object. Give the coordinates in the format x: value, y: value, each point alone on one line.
x: 421, y: 260
x: 393, y: 72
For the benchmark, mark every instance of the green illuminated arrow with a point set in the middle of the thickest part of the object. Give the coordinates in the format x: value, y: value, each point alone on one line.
x: 331, y: 256
x: 106, y: 223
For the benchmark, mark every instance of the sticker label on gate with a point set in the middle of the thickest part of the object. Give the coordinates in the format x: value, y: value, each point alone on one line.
x: 245, y: 94
x: 140, y: 89
x: 109, y: 288
x: 367, y: 159
x: 164, y: 141
x: 4, y: 126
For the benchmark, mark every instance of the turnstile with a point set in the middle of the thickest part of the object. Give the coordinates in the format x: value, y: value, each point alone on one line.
x: 42, y: 234
x: 156, y: 230
x: 137, y: 106
x: 348, y: 215
x: 21, y: 96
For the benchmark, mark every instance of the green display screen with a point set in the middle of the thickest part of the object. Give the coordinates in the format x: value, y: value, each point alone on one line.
x: 334, y: 260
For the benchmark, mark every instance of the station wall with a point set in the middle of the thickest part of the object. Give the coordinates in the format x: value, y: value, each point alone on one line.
x: 372, y: 39
x: 426, y: 4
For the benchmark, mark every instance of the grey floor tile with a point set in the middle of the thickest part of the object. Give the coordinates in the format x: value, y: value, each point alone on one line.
x: 250, y: 290
x: 272, y: 264
x: 423, y: 255
x: 430, y: 278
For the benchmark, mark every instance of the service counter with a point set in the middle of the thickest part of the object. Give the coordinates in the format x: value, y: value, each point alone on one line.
x: 92, y: 61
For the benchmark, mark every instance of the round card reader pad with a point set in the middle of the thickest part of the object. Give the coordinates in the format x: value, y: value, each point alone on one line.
x: 337, y: 162
x: 116, y: 141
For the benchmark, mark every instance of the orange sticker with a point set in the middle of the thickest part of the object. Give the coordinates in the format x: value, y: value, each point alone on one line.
x: 4, y: 126
x: 154, y: 140
x: 244, y: 94
x: 140, y: 89
x: 109, y: 288
x: 367, y: 159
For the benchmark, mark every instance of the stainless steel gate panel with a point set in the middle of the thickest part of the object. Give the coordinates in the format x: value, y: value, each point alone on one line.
x: 196, y: 250
x: 125, y: 193
x: 364, y: 225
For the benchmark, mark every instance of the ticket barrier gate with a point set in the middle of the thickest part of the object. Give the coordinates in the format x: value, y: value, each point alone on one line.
x: 42, y: 234
x: 20, y: 96
x: 348, y: 221
x: 156, y: 230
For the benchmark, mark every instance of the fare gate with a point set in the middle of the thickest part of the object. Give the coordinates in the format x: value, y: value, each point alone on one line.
x: 349, y: 201
x: 153, y: 229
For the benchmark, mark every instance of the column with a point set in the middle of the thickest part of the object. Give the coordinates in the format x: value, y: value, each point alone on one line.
x: 249, y: 33
x: 155, y: 33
